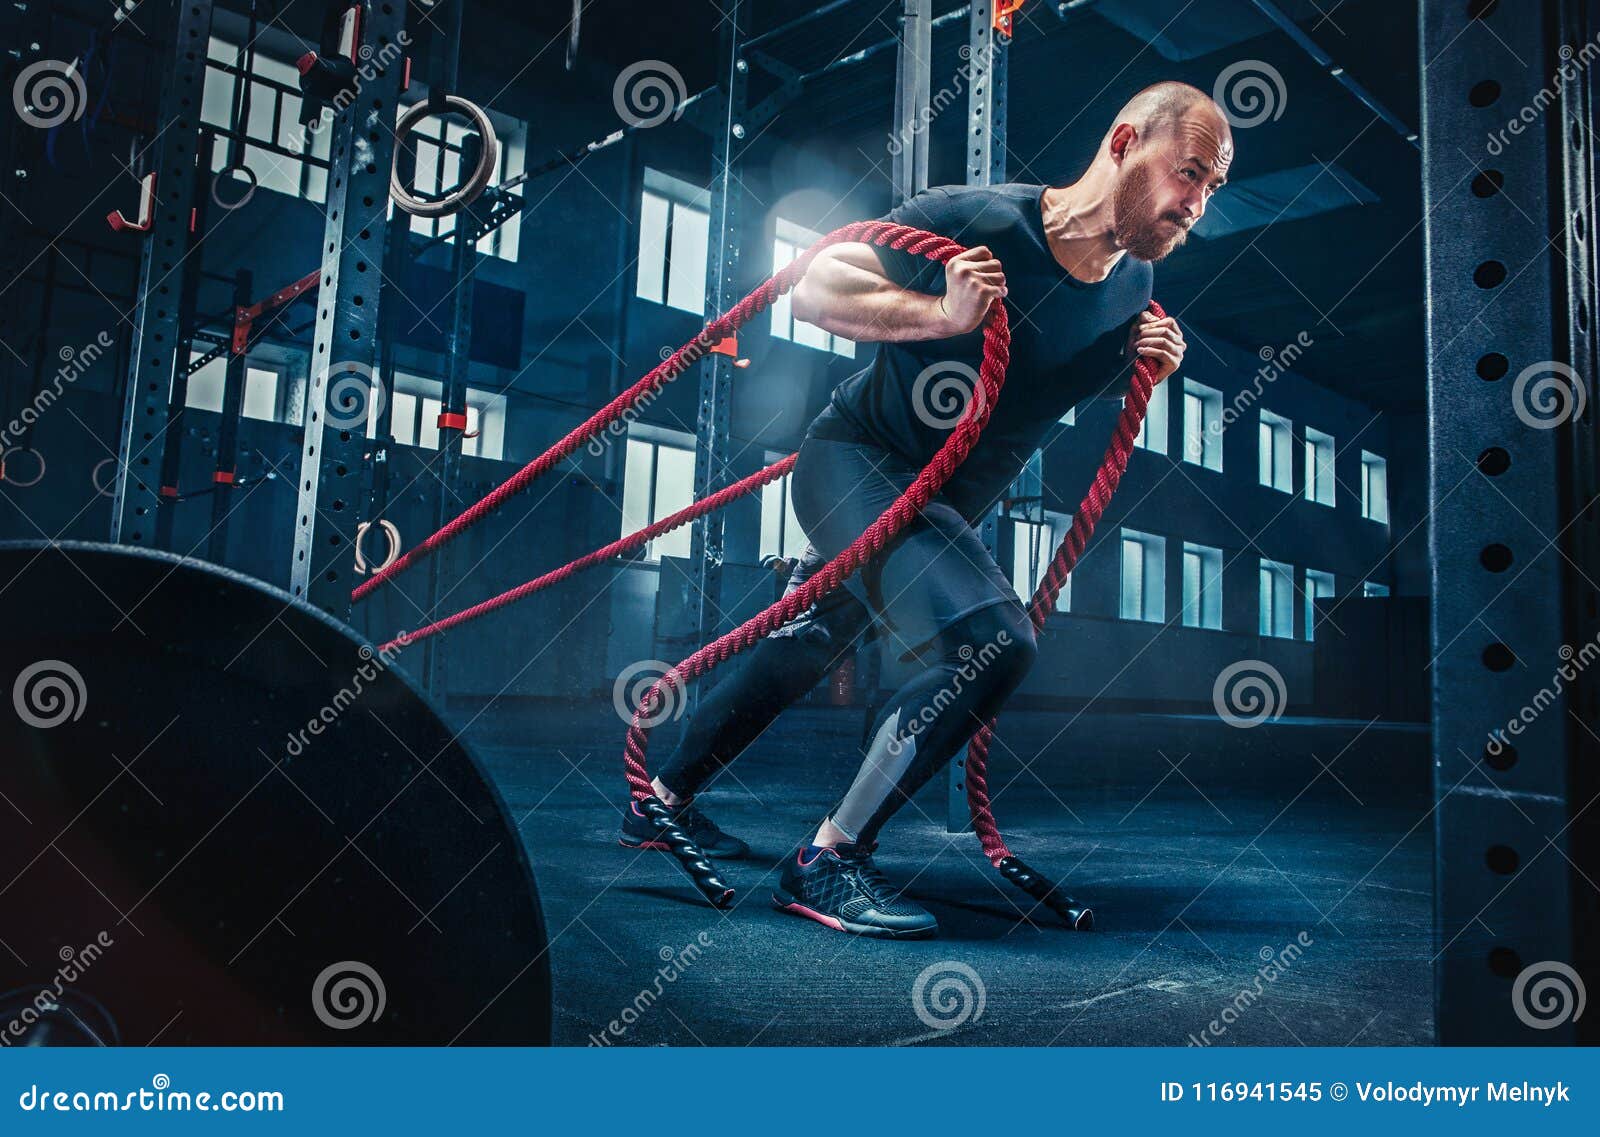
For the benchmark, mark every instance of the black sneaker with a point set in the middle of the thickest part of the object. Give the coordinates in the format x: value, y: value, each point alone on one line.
x: 638, y: 833
x: 843, y: 889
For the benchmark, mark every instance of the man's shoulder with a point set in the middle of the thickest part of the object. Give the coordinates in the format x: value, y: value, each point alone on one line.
x: 1019, y: 190
x: 984, y: 211
x: 1012, y: 194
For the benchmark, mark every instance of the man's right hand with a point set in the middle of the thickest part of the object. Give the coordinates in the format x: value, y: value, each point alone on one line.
x: 972, y: 281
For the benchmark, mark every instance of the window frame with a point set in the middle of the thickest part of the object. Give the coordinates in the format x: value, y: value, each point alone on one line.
x: 657, y: 439
x: 1369, y: 463
x: 1156, y: 426
x: 1320, y: 455
x: 1268, y: 599
x: 1281, y: 449
x: 1050, y: 531
x: 677, y: 196
x: 1316, y: 581
x: 1210, y: 585
x: 1152, y: 562
x: 1210, y: 426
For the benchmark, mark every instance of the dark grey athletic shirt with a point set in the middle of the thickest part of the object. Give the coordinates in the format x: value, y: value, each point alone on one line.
x: 1067, y: 339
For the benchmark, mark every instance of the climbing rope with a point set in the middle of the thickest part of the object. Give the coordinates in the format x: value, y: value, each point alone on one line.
x: 901, y: 513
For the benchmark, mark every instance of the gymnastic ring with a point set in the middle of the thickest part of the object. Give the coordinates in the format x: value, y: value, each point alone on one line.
x: 392, y: 538
x: 94, y: 478
x: 6, y: 476
x: 470, y: 188
x: 250, y: 176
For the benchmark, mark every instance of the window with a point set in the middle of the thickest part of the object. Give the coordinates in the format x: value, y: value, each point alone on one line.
x: 1144, y: 576
x: 674, y: 227
x: 1277, y: 599
x: 1153, y: 430
x: 261, y: 389
x: 1374, y: 488
x: 439, y: 166
x: 1373, y: 588
x: 1033, y: 547
x: 1318, y: 585
x: 1202, y: 425
x: 414, y: 417
x: 657, y: 481
x: 791, y: 240
x: 1319, y: 466
x: 781, y: 534
x: 1070, y: 418
x: 1276, y: 444
x: 285, y: 156
x: 1202, y: 586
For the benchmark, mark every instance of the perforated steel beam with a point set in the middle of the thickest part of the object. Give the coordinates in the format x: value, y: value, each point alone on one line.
x: 1511, y: 508
x: 711, y: 471
x: 908, y: 157
x: 340, y: 395
x: 157, y: 329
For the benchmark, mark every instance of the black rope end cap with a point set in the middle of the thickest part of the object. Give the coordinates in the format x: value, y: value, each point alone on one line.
x: 689, y: 855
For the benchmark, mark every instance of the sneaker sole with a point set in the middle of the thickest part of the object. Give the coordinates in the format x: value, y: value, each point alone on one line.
x: 785, y: 904
x: 663, y: 847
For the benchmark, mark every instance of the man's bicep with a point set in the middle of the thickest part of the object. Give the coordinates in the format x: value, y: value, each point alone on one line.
x: 927, y: 211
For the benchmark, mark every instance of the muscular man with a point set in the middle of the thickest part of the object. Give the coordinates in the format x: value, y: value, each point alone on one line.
x: 1072, y: 265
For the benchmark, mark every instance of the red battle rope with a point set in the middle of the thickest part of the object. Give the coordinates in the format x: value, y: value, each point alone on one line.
x: 991, y: 373
x: 1043, y: 603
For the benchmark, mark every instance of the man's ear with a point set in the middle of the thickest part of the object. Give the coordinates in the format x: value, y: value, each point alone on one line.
x: 1123, y: 135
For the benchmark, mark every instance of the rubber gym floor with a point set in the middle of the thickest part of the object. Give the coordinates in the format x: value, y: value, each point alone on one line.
x: 1205, y: 851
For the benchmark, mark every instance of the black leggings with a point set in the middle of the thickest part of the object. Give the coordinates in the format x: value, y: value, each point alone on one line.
x: 977, y: 663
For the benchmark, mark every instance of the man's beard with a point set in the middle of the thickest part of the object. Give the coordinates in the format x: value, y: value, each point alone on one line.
x: 1144, y: 236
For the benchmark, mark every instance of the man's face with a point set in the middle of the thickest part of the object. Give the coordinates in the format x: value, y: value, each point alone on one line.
x: 1166, y: 183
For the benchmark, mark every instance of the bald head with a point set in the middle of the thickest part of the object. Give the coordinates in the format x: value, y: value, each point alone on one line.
x: 1162, y: 108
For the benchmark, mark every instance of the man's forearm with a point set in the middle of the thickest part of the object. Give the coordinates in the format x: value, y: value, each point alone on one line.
x: 861, y: 305
x: 893, y: 315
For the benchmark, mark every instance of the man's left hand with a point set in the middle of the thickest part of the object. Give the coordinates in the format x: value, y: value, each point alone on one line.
x: 1159, y: 340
